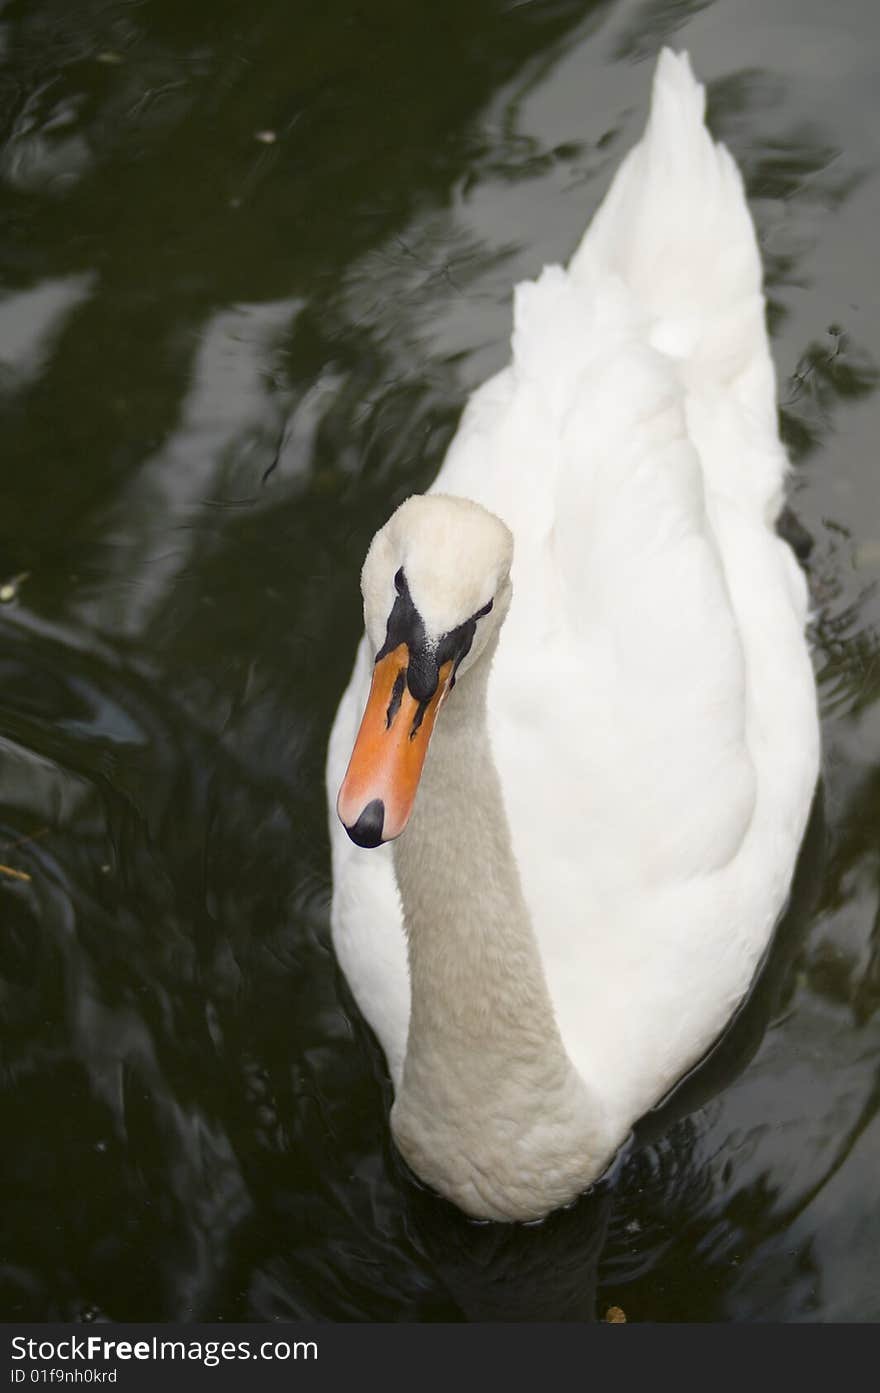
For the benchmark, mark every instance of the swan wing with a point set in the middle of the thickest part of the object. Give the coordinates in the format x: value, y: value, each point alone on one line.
x: 652, y: 706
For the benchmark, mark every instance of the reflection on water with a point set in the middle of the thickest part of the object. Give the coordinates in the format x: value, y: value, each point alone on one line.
x: 223, y: 359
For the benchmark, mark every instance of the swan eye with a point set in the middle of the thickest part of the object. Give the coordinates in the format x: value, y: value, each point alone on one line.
x: 399, y: 582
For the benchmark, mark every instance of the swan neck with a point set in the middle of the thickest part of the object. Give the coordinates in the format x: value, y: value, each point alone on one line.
x: 487, y: 1085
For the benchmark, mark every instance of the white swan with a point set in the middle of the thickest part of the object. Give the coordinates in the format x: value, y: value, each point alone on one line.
x: 616, y: 789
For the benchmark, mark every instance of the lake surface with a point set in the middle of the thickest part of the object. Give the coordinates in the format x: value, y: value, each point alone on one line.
x: 254, y: 256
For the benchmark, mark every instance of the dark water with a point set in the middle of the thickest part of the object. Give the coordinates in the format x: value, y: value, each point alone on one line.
x: 254, y: 256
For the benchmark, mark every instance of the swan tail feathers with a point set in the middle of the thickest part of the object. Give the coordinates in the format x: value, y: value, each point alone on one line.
x: 676, y: 228
x: 658, y: 324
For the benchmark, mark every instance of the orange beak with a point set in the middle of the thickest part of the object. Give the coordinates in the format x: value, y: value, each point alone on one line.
x: 379, y: 788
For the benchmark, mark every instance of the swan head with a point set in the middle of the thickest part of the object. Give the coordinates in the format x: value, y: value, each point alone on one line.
x: 436, y: 587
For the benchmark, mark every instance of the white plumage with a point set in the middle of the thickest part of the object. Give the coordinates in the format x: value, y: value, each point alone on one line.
x: 650, y: 711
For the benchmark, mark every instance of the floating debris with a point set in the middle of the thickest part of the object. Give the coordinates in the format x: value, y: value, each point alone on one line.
x: 265, y: 137
x: 615, y: 1315
x: 15, y: 875
x: 110, y: 57
x: 10, y: 588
